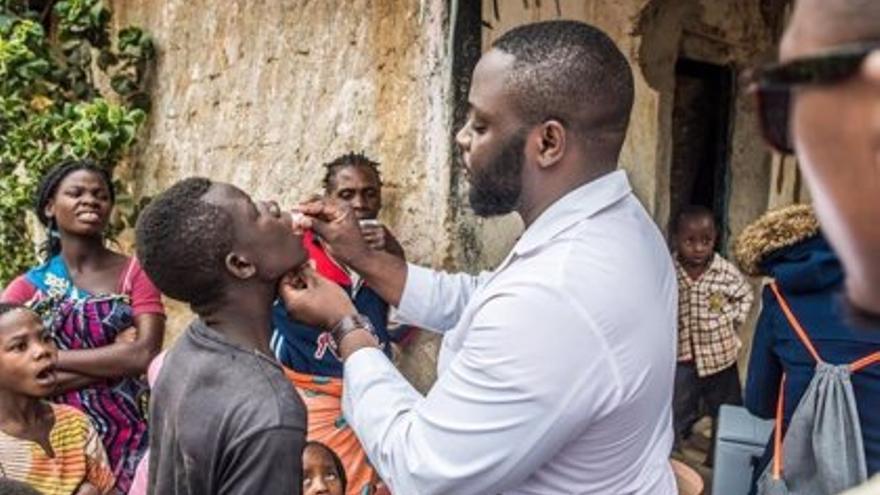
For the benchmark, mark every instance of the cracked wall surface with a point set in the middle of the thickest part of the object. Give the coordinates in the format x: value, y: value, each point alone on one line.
x: 261, y: 93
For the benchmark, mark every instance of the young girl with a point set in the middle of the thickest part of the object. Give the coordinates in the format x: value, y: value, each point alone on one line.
x: 323, y: 473
x: 105, y: 315
x: 51, y: 447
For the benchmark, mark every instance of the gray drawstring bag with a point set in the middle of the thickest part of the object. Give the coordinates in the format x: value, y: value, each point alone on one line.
x: 822, y: 452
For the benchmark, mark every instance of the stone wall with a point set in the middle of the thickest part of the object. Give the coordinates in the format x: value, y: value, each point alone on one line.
x: 261, y: 93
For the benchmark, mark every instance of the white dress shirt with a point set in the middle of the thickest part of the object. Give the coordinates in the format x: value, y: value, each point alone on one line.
x: 556, y: 370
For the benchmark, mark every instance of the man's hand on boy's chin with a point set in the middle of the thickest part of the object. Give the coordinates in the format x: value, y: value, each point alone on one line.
x: 338, y: 227
x: 314, y: 300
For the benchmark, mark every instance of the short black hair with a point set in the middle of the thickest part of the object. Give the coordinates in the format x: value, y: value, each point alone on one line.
x: 340, y: 468
x: 8, y: 307
x: 691, y: 211
x: 350, y: 159
x: 9, y: 486
x: 182, y: 242
x: 49, y: 186
x: 572, y: 72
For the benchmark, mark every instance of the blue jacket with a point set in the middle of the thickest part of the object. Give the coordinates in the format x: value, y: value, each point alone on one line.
x: 810, y: 277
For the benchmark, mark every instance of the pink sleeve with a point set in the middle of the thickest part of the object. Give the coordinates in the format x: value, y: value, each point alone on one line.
x: 139, y: 483
x: 154, y: 368
x: 145, y: 297
x: 19, y: 291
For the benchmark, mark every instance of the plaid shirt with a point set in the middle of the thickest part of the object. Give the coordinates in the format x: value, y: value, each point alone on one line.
x: 709, y: 311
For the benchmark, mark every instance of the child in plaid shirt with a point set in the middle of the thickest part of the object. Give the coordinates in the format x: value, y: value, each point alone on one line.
x: 714, y: 300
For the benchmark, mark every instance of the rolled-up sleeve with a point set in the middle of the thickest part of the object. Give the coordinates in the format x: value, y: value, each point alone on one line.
x: 491, y: 419
x: 434, y: 300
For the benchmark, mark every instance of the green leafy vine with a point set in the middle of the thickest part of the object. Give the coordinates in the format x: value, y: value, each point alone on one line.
x: 51, y: 107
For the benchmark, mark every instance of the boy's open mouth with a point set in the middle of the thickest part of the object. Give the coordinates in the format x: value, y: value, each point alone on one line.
x: 46, y: 375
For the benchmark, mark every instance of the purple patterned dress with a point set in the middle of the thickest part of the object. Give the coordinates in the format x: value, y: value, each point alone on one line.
x: 80, y: 320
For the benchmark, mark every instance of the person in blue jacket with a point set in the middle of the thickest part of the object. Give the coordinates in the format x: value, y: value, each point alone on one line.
x: 788, y: 246
x: 309, y: 354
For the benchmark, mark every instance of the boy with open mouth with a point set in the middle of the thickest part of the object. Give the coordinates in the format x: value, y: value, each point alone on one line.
x: 52, y: 447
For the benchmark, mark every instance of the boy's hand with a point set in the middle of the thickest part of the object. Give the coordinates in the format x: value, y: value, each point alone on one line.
x: 314, y: 300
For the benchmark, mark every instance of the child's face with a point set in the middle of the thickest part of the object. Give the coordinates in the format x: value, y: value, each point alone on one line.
x: 319, y: 473
x: 695, y: 241
x: 27, y: 355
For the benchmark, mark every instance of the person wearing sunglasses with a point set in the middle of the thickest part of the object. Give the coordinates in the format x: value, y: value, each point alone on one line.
x: 822, y: 101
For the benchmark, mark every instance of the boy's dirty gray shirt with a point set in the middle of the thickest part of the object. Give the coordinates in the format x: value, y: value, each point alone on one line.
x: 224, y: 421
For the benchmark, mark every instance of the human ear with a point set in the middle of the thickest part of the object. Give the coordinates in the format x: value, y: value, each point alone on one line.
x: 239, y: 266
x: 49, y: 209
x: 552, y: 143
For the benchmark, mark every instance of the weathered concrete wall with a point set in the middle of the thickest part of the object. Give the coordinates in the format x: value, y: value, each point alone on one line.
x: 741, y: 34
x: 786, y: 184
x: 261, y: 93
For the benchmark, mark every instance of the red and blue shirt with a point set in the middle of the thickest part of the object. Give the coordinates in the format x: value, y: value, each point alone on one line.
x: 310, y: 350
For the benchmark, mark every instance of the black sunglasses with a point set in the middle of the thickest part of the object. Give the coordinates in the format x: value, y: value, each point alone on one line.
x: 772, y: 86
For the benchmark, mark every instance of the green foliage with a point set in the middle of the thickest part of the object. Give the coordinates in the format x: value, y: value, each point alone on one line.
x: 52, y: 110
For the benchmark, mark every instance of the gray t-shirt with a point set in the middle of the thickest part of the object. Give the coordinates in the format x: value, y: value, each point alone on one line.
x: 224, y: 421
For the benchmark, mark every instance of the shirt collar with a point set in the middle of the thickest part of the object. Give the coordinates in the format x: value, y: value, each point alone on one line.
x: 324, y: 263
x: 716, y: 265
x: 581, y: 203
x: 200, y: 331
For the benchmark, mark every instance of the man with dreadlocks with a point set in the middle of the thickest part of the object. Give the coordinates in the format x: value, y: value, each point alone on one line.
x: 309, y: 352
x: 355, y: 179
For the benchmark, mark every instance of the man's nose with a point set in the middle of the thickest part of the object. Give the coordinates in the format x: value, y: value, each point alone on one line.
x: 462, y: 138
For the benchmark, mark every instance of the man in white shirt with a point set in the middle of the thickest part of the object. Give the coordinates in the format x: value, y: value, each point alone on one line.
x: 556, y: 369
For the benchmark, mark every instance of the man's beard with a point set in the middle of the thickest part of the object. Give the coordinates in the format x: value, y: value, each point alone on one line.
x: 495, y: 188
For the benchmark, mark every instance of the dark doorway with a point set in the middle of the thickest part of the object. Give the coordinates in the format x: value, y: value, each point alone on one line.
x: 701, y: 139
